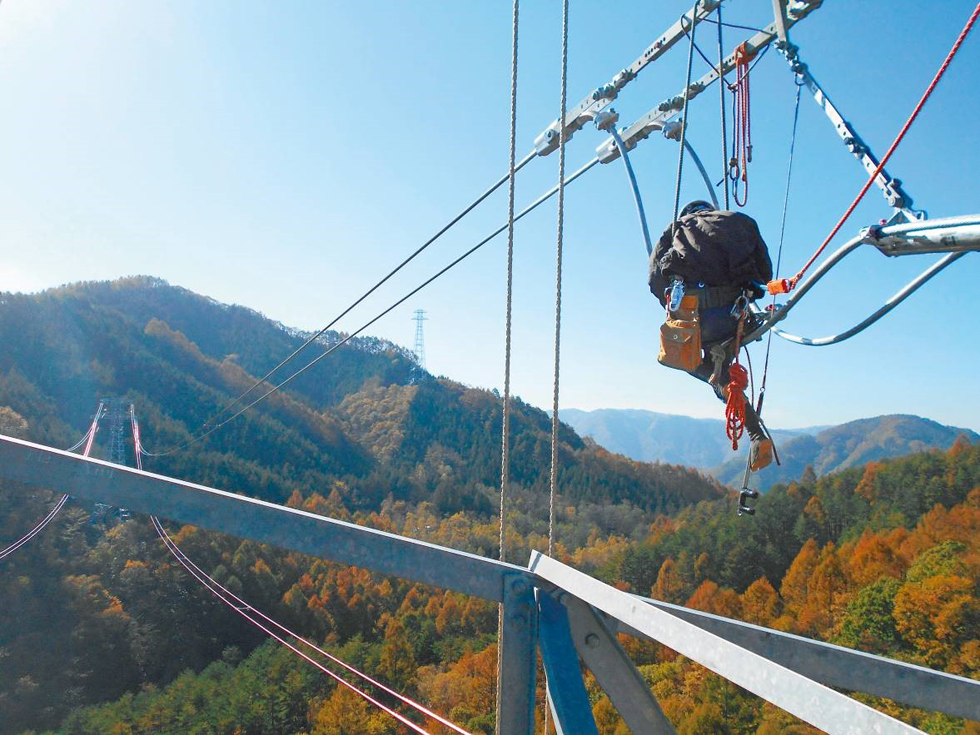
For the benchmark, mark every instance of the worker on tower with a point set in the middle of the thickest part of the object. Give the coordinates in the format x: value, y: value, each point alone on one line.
x: 706, y: 269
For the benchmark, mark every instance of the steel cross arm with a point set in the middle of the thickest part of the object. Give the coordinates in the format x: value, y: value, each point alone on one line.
x: 953, y: 235
x: 613, y: 670
x: 779, y: 13
x: 217, y: 510
x: 655, y: 118
x: 837, y: 666
x: 812, y: 702
x: 578, y: 117
x: 890, y: 187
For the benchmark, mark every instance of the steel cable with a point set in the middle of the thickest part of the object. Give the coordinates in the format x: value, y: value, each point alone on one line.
x: 782, y: 236
x: 87, y: 439
x: 787, y: 285
x: 227, y: 596
x: 469, y: 208
x: 505, y: 417
x: 687, y: 99
x: 175, y: 551
x: 527, y: 210
x: 721, y: 93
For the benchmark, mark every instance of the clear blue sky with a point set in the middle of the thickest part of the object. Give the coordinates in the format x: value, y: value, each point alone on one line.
x: 283, y: 155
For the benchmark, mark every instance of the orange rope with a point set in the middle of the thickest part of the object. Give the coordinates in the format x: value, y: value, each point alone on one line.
x: 735, y: 407
x: 738, y: 381
x: 785, y: 285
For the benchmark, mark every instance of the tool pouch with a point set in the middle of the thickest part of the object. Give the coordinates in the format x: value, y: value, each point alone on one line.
x: 680, y: 337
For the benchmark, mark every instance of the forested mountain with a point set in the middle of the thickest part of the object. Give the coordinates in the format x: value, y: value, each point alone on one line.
x: 89, y: 614
x: 884, y: 558
x: 101, y: 631
x: 650, y: 437
x: 367, y: 415
x: 849, y: 445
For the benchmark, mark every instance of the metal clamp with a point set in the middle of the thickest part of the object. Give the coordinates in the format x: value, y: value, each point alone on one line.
x: 743, y: 495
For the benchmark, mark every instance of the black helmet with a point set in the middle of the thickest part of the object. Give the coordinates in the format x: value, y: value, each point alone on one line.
x: 698, y: 205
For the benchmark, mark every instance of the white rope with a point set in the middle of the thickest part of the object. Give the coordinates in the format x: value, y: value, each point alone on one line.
x: 505, y: 431
x: 505, y: 428
x: 558, y: 259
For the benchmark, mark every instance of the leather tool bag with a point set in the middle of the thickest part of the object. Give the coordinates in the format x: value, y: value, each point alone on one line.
x: 680, y: 337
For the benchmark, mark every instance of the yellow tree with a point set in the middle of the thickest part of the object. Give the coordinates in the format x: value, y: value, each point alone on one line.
x: 794, y: 587
x: 760, y: 603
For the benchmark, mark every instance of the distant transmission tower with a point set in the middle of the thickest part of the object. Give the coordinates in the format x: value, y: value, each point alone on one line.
x: 117, y: 416
x: 419, y: 337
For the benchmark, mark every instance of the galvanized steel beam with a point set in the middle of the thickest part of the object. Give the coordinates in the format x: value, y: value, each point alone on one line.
x: 811, y: 702
x: 566, y: 690
x: 836, y: 666
x: 580, y: 114
x: 516, y: 648
x: 218, y: 510
x: 614, y: 671
x: 655, y: 118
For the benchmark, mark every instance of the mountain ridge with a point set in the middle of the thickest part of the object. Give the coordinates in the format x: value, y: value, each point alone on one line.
x: 650, y: 436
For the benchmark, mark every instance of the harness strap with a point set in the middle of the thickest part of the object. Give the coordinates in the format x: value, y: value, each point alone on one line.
x: 713, y: 297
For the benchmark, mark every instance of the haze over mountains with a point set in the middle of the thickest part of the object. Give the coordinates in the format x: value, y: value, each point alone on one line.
x: 659, y: 437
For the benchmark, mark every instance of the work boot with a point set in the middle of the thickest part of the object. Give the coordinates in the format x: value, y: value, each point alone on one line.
x: 760, y: 453
x: 760, y: 449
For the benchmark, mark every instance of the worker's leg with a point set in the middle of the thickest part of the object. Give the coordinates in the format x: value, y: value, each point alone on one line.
x: 761, y: 450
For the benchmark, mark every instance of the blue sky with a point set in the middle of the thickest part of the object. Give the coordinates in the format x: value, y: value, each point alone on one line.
x: 284, y: 155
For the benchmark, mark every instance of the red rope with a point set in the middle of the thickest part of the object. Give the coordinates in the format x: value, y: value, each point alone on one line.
x: 743, y: 121
x: 786, y: 285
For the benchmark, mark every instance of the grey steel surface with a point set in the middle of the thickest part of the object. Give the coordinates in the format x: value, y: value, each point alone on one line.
x: 840, y: 667
x: 947, y: 235
x: 779, y: 19
x: 517, y: 667
x: 614, y: 671
x: 217, y: 510
x: 812, y: 702
x: 566, y: 689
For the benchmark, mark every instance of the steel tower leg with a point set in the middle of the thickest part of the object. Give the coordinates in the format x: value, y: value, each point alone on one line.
x: 614, y: 671
x: 515, y: 684
x: 566, y: 690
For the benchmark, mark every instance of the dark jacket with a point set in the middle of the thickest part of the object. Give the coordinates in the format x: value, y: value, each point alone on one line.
x: 714, y: 248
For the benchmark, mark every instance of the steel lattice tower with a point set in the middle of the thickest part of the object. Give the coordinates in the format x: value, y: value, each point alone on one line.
x: 419, y: 337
